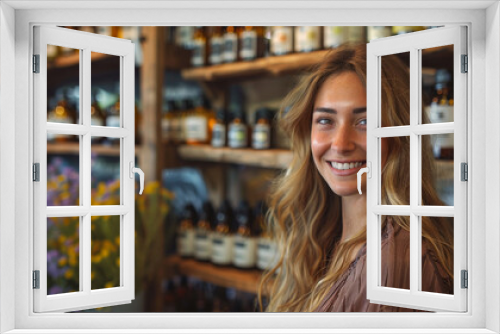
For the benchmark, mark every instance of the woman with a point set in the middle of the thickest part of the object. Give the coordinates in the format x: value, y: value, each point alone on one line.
x: 318, y: 217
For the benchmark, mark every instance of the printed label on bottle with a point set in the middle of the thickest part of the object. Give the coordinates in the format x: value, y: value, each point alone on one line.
x: 196, y: 128
x: 248, y: 45
x: 203, y: 245
x: 219, y: 135
x: 230, y: 47
x: 334, y: 36
x: 198, y: 58
x: 166, y: 128
x: 185, y: 243
x: 216, y: 50
x: 222, y: 249
x: 281, y: 40
x: 113, y: 120
x: 237, y: 136
x: 261, y: 138
x: 245, y: 252
x: 266, y: 253
x: 307, y: 39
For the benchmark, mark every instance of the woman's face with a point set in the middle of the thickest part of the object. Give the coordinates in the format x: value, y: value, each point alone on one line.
x: 338, y: 132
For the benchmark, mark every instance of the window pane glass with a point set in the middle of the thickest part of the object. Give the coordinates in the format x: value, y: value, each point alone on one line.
x: 63, y: 91
x: 105, y: 258
x: 437, y: 84
x: 105, y: 80
x: 437, y: 174
x: 395, y: 252
x: 63, y: 172
x: 395, y: 92
x: 105, y: 173
x: 437, y: 254
x: 395, y: 167
x: 63, y: 251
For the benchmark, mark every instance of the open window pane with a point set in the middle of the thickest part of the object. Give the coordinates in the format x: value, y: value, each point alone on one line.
x: 437, y: 174
x: 63, y: 106
x: 105, y: 244
x: 63, y: 255
x: 395, y: 251
x: 106, y: 91
x: 63, y: 174
x: 105, y: 173
x: 437, y: 254
x: 398, y: 85
x: 437, y: 84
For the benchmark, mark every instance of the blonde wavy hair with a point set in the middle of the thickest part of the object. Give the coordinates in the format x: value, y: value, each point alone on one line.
x: 305, y: 215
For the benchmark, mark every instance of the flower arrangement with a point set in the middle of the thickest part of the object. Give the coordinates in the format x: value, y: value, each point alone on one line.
x: 151, y: 208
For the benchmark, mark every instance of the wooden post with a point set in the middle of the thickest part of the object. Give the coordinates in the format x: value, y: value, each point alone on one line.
x: 152, y: 101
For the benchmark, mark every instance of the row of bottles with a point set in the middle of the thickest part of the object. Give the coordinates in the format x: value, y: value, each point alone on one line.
x: 195, y: 122
x: 216, y: 45
x: 189, y: 294
x: 63, y: 109
x: 225, y: 238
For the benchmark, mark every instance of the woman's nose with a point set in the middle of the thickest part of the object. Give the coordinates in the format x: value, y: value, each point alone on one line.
x: 342, y: 140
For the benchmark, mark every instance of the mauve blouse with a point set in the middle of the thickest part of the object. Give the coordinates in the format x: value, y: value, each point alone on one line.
x: 348, y: 294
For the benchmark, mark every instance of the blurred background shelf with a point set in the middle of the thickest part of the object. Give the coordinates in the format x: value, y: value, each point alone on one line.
x: 74, y: 148
x: 228, y: 277
x: 273, y: 158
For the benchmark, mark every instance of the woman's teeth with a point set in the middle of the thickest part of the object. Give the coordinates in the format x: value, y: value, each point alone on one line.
x: 345, y: 165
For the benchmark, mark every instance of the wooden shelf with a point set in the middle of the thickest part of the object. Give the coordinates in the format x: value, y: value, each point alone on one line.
x: 273, y: 158
x: 74, y: 60
x: 74, y: 148
x: 270, y: 66
x: 244, y: 280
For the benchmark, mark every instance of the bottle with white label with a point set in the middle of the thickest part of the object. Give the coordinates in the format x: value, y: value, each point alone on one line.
x: 267, y: 255
x: 186, y: 232
x: 216, y: 46
x: 219, y: 129
x: 252, y: 43
x: 307, y: 38
x: 237, y: 135
x: 333, y: 36
x: 231, y: 44
x: 167, y: 122
x: 199, y: 47
x: 245, y: 241
x: 203, y: 235
x: 281, y: 40
x: 261, y: 135
x: 222, y: 237
x: 199, y: 122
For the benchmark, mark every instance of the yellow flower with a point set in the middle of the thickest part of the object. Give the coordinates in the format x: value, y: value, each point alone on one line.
x: 73, y: 260
x: 68, y: 274
x: 118, y: 262
x: 152, y: 187
x: 117, y: 240
x: 96, y: 258
x: 104, y: 253
x: 109, y: 285
x: 61, y: 239
x: 62, y: 261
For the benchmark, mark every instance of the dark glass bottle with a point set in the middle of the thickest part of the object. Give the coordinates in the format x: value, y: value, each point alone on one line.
x: 222, y: 240
x: 186, y: 231
x: 245, y: 241
x: 203, y: 236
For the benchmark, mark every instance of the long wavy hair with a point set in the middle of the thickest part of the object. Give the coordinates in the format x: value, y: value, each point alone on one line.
x: 305, y: 215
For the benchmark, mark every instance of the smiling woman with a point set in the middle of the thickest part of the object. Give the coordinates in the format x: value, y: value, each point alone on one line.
x: 316, y: 213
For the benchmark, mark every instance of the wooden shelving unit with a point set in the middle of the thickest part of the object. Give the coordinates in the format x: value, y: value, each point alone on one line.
x: 273, y: 158
x: 244, y: 280
x: 270, y: 66
x: 74, y: 60
x: 74, y: 148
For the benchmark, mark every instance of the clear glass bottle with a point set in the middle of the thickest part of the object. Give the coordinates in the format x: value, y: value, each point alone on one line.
x: 261, y: 135
x: 252, y: 44
x: 245, y: 241
x: 281, y: 40
x: 216, y: 46
x: 219, y: 129
x: 203, y: 236
x: 199, y: 47
x: 186, y: 232
x: 237, y: 134
x: 222, y: 237
x: 307, y: 38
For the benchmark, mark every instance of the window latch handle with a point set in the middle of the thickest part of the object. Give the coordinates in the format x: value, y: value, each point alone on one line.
x: 368, y: 171
x: 139, y: 171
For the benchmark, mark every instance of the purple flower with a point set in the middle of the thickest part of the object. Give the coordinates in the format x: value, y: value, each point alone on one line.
x: 55, y: 290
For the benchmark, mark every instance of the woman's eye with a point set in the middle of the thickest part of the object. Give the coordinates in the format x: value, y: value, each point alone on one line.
x: 362, y: 121
x: 323, y: 121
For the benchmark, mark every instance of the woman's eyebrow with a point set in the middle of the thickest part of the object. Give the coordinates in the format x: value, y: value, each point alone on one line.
x: 333, y: 111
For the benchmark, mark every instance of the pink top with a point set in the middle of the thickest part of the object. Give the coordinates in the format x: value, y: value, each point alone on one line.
x: 348, y: 294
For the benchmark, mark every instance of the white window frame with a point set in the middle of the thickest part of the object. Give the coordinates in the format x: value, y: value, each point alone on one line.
x: 86, y: 43
x: 483, y: 20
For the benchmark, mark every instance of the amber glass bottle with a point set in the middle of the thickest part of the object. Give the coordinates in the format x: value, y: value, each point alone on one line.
x: 252, y: 43
x: 199, y: 47
x: 222, y: 237
x: 216, y: 46
x: 245, y: 241
x: 186, y: 231
x: 203, y: 235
